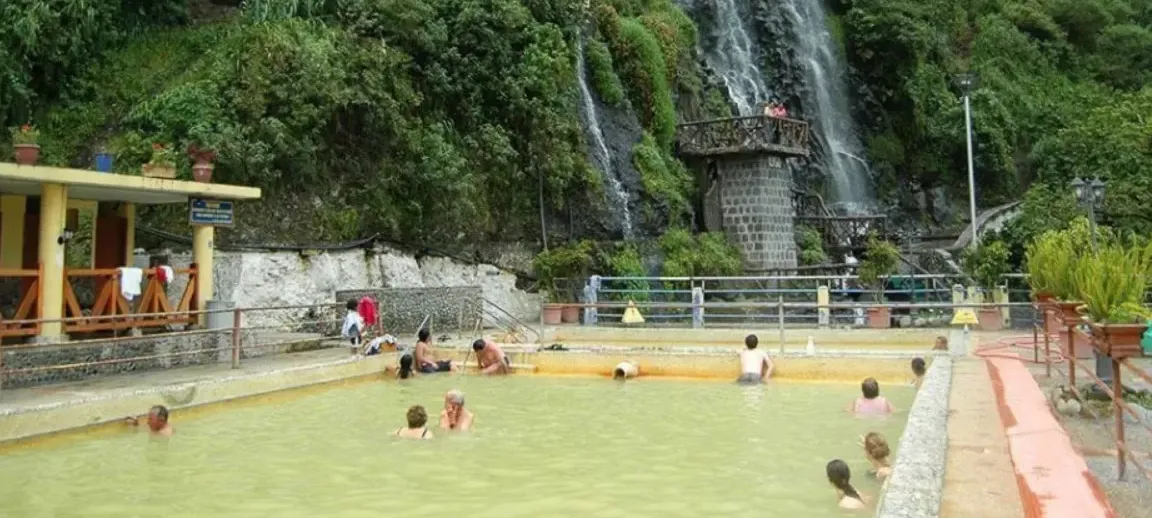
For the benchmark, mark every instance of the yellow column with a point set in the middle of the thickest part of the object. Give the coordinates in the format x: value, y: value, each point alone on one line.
x: 128, y: 212
x: 823, y: 314
x: 53, y: 206
x: 12, y: 234
x: 202, y: 237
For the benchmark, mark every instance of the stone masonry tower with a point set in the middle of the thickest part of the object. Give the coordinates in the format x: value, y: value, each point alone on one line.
x: 747, y: 155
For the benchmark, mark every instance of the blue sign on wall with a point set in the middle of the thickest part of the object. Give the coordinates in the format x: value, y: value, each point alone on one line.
x: 209, y: 212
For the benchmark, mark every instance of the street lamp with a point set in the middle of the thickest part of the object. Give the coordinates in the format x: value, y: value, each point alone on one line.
x: 1090, y: 194
x: 967, y: 83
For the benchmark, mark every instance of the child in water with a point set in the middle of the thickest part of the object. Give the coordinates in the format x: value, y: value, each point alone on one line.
x: 405, y: 370
x: 918, y: 369
x: 841, y: 478
x: 877, y: 451
x: 871, y: 402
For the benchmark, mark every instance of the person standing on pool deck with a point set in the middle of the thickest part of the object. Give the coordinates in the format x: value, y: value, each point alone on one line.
x: 417, y: 421
x: 755, y: 366
x: 490, y: 358
x: 454, y: 416
x: 871, y: 402
x: 157, y: 421
x: 425, y: 358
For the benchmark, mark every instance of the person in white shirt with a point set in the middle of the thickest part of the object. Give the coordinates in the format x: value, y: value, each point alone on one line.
x: 353, y: 328
x: 755, y: 366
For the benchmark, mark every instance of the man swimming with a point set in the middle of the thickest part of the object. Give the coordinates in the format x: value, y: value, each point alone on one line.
x: 454, y: 416
x: 157, y: 421
x: 755, y: 366
x: 490, y: 358
x: 426, y: 358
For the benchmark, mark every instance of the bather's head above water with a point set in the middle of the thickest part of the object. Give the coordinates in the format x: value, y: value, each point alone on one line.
x: 870, y: 388
x: 157, y: 418
x: 453, y: 400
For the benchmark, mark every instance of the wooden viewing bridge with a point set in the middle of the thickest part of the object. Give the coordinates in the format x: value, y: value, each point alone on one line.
x: 754, y: 135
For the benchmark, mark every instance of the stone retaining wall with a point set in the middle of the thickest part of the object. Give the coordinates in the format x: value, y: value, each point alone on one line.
x: 454, y: 308
x: 756, y: 200
x: 917, y: 483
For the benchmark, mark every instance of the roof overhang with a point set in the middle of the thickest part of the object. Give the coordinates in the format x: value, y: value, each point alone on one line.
x: 97, y: 186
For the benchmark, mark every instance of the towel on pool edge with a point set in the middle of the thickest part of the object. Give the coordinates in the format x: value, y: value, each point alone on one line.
x: 130, y: 282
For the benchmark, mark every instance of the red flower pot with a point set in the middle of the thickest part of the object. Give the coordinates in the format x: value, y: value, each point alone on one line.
x: 1068, y: 312
x: 552, y: 314
x: 1118, y: 340
x: 26, y: 154
x: 990, y: 319
x: 202, y: 172
x: 1042, y: 297
x: 879, y: 318
x: 570, y: 314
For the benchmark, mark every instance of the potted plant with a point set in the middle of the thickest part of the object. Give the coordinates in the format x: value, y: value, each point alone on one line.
x: 986, y: 264
x: 103, y: 160
x: 24, y: 144
x: 570, y: 262
x: 880, y: 260
x: 1111, y: 285
x: 202, y: 163
x: 162, y: 164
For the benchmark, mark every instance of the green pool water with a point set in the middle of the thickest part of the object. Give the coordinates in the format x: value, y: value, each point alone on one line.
x: 542, y: 447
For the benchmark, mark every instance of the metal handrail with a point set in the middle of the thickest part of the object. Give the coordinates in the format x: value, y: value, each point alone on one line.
x: 500, y: 312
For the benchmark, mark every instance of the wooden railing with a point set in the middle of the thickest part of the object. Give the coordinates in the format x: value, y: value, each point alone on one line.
x: 109, y: 309
x: 845, y: 232
x: 743, y: 135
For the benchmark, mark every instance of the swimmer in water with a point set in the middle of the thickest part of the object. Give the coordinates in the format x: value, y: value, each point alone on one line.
x: 755, y: 366
x: 877, y: 451
x: 918, y: 369
x: 405, y: 371
x: 490, y: 358
x: 871, y: 402
x: 157, y: 421
x: 841, y: 478
x: 417, y: 421
x: 454, y: 416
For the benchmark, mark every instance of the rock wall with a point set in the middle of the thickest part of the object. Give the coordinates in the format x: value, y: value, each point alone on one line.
x: 264, y: 279
x: 452, y: 308
x: 756, y: 200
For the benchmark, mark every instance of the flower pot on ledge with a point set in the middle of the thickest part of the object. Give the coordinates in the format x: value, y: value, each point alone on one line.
x: 158, y: 171
x: 552, y: 314
x: 1043, y: 297
x: 1068, y: 313
x: 1118, y: 341
x: 990, y: 319
x: 879, y: 318
x: 202, y: 172
x: 26, y: 154
x: 570, y: 314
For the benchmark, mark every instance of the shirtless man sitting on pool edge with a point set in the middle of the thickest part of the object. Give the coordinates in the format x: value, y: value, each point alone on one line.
x: 490, y: 358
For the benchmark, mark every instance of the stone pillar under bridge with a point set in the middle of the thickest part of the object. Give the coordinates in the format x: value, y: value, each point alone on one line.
x: 756, y: 202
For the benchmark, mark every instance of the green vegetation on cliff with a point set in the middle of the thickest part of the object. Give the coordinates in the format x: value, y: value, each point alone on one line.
x: 1063, y: 92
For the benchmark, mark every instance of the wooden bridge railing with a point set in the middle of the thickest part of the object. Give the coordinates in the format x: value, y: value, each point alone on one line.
x: 845, y: 232
x: 756, y: 134
x: 109, y: 310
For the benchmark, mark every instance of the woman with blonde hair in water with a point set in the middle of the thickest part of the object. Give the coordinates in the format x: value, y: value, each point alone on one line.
x: 841, y: 478
x: 877, y: 451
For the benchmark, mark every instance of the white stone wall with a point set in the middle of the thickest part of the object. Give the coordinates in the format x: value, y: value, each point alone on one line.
x: 262, y: 279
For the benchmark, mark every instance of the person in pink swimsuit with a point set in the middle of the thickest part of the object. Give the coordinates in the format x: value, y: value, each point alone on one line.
x: 871, y: 402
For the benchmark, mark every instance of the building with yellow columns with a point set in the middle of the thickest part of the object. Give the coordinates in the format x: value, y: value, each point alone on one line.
x: 38, y: 208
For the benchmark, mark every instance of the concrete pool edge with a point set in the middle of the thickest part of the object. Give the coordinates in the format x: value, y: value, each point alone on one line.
x: 916, y: 487
x: 102, y: 408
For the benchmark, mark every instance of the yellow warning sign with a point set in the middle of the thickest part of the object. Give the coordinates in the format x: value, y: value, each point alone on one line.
x: 964, y: 317
x: 632, y: 315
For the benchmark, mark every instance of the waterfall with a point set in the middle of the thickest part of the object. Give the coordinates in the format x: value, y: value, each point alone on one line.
x: 734, y: 59
x: 600, y: 153
x: 825, y: 103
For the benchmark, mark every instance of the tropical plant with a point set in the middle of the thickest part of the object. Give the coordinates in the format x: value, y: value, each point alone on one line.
x: 569, y: 262
x: 986, y: 263
x: 1040, y: 257
x: 1111, y: 285
x: 162, y: 155
x: 880, y: 260
x: 25, y: 135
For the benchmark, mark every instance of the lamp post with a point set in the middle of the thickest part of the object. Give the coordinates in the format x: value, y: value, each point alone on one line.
x: 967, y: 83
x: 1090, y: 194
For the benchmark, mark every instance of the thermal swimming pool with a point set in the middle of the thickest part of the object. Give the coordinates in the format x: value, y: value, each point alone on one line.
x: 542, y: 446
